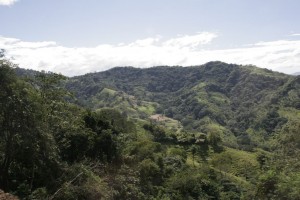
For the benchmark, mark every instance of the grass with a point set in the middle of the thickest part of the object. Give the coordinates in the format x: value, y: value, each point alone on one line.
x: 219, y: 99
x: 147, y: 107
x: 189, y: 161
x: 108, y: 91
x: 262, y: 71
x: 242, y: 155
x: 240, y: 180
x: 238, y: 157
x: 236, y: 162
x: 290, y: 113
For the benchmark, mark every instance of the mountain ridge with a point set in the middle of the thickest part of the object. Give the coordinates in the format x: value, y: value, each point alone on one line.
x: 236, y: 98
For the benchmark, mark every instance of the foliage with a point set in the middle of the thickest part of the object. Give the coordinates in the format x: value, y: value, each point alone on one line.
x: 224, y: 131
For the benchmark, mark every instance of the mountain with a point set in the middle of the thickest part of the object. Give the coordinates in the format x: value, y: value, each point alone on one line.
x: 236, y: 101
x: 215, y: 131
x: 296, y: 74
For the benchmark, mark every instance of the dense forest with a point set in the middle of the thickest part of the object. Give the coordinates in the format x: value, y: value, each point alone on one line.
x: 215, y: 131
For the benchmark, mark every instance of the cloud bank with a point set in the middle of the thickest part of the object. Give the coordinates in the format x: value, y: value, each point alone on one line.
x: 7, y: 2
x: 186, y: 50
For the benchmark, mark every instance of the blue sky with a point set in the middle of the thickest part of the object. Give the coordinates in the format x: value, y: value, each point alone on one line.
x: 76, y: 37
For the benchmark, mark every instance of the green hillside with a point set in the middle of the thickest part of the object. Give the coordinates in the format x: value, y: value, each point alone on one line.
x: 233, y: 100
x: 216, y: 131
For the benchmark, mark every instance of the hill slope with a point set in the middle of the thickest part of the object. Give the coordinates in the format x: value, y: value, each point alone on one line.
x: 244, y: 104
x: 181, y: 134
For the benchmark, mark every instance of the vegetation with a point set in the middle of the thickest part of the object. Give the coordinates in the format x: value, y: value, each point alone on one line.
x: 217, y: 131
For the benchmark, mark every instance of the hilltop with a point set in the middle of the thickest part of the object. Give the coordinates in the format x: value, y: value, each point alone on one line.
x: 246, y: 105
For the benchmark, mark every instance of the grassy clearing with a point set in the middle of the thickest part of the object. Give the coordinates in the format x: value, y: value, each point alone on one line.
x: 237, y: 155
x: 236, y: 162
x: 108, y: 91
x: 242, y: 155
x: 147, y: 107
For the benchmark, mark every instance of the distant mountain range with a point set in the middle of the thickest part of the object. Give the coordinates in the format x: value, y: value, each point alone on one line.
x: 296, y: 74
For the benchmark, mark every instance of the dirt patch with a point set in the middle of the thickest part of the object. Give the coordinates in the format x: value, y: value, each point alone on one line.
x: 7, y: 196
x: 158, y: 117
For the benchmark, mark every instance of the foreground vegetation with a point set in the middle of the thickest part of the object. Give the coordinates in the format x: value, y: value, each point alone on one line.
x: 221, y: 132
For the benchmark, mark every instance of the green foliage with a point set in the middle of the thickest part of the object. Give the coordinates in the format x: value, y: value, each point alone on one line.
x: 28, y: 148
x: 177, y: 152
x: 288, y: 186
x: 84, y: 184
x: 198, y: 186
x: 144, y: 149
x: 158, y: 132
x: 272, y: 120
x: 150, y: 174
x: 238, y: 163
x: 100, y: 144
x: 214, y: 136
x: 236, y: 98
x: 267, y: 185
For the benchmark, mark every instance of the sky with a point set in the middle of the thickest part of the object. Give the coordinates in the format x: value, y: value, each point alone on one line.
x: 77, y: 37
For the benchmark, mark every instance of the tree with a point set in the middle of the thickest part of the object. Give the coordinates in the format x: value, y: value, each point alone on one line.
x: 7, y: 79
x: 27, y: 150
x: 194, y: 150
x: 2, y: 53
x: 150, y: 175
x: 266, y: 187
x: 214, y: 138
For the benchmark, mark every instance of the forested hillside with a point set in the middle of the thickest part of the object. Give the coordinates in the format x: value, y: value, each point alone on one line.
x: 216, y: 131
x: 246, y: 105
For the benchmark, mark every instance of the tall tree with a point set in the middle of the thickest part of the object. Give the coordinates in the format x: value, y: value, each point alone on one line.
x: 27, y: 148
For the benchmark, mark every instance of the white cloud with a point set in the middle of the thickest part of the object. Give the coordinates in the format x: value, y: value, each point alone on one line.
x: 191, y: 40
x: 146, y: 42
x: 7, y: 2
x: 281, y: 55
x: 295, y: 34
